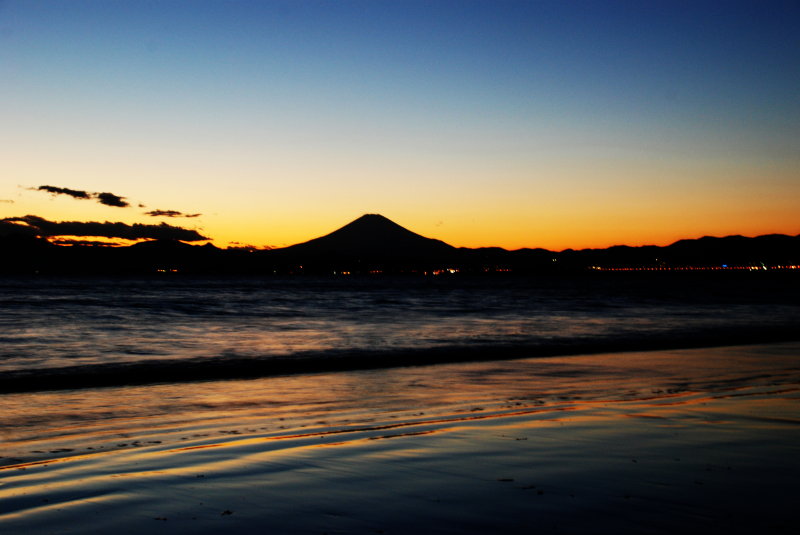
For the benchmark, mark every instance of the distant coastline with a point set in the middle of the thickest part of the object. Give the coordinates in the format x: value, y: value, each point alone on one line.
x: 373, y: 245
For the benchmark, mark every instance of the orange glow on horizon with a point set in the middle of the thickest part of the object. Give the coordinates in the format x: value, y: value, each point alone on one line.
x: 512, y: 237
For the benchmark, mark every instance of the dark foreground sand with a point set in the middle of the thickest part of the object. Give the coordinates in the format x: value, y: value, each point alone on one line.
x: 703, y: 440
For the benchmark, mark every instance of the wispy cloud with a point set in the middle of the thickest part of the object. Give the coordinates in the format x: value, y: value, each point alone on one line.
x: 169, y: 213
x: 108, y: 199
x: 34, y: 225
x: 237, y: 246
x: 75, y: 193
x: 8, y: 201
x: 94, y: 243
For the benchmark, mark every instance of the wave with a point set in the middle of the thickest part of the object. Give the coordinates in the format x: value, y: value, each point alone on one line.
x: 229, y: 367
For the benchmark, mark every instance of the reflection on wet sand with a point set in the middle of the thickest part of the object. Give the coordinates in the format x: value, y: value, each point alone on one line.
x: 56, y: 424
x: 656, y: 442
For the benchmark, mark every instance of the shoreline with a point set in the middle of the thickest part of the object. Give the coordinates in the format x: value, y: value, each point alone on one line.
x: 701, y: 439
x: 48, y: 423
x: 198, y: 370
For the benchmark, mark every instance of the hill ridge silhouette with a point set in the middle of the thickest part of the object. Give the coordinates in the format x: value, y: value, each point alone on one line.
x: 374, y: 243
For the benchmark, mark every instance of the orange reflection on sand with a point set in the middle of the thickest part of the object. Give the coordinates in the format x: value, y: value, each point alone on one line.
x: 41, y: 426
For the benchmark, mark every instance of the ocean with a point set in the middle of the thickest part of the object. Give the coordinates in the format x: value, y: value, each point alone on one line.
x: 372, y: 404
x: 73, y: 332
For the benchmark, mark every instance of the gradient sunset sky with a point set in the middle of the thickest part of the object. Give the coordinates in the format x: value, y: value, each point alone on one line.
x: 516, y: 124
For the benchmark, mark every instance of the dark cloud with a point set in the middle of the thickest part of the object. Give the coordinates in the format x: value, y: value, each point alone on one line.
x: 237, y: 246
x: 109, y: 199
x: 169, y: 213
x: 38, y: 226
x: 164, y: 213
x: 8, y: 201
x: 78, y: 194
x: 8, y: 228
x: 93, y: 243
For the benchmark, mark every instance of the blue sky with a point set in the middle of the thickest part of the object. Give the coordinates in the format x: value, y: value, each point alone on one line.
x: 556, y: 124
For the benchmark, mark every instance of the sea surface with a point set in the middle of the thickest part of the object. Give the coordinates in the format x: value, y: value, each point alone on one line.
x: 86, y: 332
x: 608, y: 404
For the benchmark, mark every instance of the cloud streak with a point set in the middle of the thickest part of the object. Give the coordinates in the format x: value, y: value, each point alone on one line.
x: 236, y: 246
x: 108, y: 199
x: 169, y: 213
x: 34, y: 225
x: 93, y: 243
x: 74, y: 193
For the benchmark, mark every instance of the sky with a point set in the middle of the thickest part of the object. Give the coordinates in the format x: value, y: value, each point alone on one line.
x: 561, y: 124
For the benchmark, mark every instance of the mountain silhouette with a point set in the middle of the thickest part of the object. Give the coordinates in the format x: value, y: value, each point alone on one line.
x: 374, y: 244
x: 373, y: 236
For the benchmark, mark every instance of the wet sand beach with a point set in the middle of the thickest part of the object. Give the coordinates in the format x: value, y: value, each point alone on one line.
x: 653, y: 442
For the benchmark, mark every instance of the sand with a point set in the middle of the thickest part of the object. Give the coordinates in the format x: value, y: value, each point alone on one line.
x: 659, y: 442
